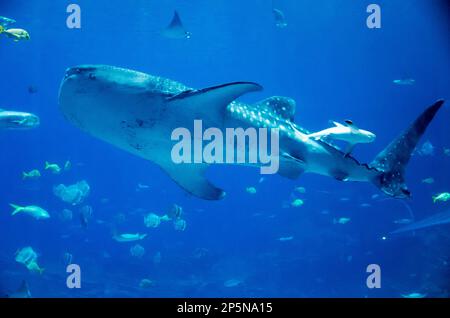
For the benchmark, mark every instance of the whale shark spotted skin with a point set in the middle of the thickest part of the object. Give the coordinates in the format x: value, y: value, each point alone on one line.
x: 137, y: 112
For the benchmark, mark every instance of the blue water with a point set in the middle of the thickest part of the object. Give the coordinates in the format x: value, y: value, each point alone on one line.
x: 326, y: 59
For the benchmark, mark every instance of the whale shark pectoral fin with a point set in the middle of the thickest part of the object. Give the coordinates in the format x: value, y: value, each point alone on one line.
x: 212, y: 101
x: 191, y: 177
x: 283, y: 106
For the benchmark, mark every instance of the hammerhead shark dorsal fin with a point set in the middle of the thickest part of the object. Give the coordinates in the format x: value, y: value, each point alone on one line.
x: 212, y: 102
x: 283, y: 106
x: 349, y: 123
x: 191, y: 177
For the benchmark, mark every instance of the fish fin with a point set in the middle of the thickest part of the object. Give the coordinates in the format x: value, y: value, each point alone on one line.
x: 211, y: 102
x: 282, y: 106
x: 142, y: 236
x: 19, y: 122
x: 16, y: 208
x: 290, y: 170
x: 191, y: 177
x: 349, y: 123
x: 337, y: 124
x: 24, y: 289
x: 392, y: 161
x: 290, y: 167
x: 349, y: 149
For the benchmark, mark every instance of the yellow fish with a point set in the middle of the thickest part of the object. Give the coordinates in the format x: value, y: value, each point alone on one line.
x: 16, y: 34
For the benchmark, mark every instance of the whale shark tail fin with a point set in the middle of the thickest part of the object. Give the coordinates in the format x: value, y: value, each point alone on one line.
x: 392, y: 161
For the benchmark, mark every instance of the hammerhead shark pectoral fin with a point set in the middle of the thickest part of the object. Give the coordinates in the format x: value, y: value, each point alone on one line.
x: 191, y: 177
x: 290, y: 167
x: 349, y: 149
x: 212, y: 102
x: 290, y: 170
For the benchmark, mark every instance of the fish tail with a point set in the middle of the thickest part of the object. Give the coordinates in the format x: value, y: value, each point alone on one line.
x: 16, y: 208
x: 392, y: 161
x: 41, y: 270
x: 47, y: 165
x: 2, y: 29
x: 434, y: 198
x: 24, y: 175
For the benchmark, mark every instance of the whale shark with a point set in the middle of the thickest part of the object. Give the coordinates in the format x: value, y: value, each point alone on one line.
x: 137, y: 112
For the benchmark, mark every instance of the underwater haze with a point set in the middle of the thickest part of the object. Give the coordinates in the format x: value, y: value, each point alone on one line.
x: 134, y: 232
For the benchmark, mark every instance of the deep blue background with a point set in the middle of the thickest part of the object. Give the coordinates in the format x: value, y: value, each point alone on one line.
x: 326, y: 59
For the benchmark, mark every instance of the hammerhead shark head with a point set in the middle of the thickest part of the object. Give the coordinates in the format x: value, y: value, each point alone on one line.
x: 138, y: 112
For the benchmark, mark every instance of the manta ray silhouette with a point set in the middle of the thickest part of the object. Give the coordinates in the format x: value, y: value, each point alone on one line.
x: 176, y: 30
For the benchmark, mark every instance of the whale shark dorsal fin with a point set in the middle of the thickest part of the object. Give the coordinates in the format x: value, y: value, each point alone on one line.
x: 191, y: 177
x: 283, y: 106
x: 211, y: 102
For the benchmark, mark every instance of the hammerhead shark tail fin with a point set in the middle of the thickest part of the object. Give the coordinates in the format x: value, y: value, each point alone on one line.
x: 392, y: 161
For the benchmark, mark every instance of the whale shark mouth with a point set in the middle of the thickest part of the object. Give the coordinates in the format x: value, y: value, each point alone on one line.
x: 79, y: 70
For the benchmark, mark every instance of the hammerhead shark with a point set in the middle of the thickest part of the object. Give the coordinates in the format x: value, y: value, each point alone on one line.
x: 138, y: 112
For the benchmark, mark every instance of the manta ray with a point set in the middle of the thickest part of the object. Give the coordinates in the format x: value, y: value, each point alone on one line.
x: 176, y: 30
x: 137, y: 112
